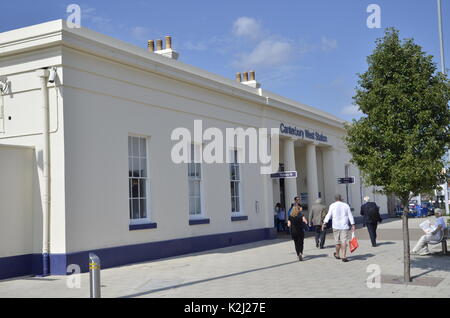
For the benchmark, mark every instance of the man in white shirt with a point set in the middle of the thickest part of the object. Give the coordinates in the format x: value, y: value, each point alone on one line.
x: 341, y: 214
x: 435, y: 235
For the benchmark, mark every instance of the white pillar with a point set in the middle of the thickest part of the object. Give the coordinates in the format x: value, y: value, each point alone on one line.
x: 329, y: 173
x: 311, y: 174
x: 290, y: 184
x: 267, y: 205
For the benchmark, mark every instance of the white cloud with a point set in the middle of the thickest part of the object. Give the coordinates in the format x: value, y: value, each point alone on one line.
x: 351, y: 110
x: 328, y: 44
x: 140, y: 33
x: 279, y: 75
x: 247, y: 27
x: 199, y: 46
x: 89, y: 14
x: 266, y: 53
x: 220, y: 44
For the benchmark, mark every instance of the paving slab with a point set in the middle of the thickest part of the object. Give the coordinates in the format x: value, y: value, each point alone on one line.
x: 265, y: 269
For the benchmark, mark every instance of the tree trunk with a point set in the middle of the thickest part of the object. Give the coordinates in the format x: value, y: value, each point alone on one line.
x: 406, y: 256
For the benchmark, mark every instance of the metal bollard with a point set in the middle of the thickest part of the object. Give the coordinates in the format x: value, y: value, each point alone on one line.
x: 94, y: 275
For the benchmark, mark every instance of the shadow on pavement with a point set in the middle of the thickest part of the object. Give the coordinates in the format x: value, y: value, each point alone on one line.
x: 361, y: 257
x: 310, y: 257
x: 205, y: 280
x: 228, y: 249
x: 385, y: 243
x: 431, y: 263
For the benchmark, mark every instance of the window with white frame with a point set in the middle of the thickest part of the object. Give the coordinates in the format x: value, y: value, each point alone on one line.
x: 137, y: 179
x: 195, y: 183
x: 235, y: 183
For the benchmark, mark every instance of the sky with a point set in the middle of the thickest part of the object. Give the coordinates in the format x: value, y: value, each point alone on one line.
x: 308, y: 50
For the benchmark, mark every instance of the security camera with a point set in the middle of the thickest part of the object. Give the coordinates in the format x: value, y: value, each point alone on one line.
x: 3, y: 84
x: 52, y: 76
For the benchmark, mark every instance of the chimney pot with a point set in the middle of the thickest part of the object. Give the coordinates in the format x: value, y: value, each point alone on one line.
x: 151, y: 46
x: 252, y: 75
x: 159, y: 45
x: 168, y: 42
x: 238, y: 77
x: 245, y: 76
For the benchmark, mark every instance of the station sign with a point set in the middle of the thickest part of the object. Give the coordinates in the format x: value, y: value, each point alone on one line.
x: 284, y: 175
x: 346, y: 180
x: 302, y: 133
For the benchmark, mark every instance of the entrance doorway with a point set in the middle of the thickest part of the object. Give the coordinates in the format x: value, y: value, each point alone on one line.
x: 282, y: 191
x: 282, y: 230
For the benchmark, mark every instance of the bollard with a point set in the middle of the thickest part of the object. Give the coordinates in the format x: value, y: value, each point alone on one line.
x: 94, y: 275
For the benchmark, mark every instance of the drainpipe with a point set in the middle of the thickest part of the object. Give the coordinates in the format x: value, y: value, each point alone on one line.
x: 43, y: 76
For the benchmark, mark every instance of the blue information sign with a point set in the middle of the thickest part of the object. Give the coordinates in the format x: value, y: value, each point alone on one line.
x: 346, y: 180
x: 284, y: 175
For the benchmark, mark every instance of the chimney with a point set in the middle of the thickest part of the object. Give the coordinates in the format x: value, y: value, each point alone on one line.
x: 250, y: 81
x: 238, y: 77
x: 168, y: 42
x: 151, y: 46
x: 158, y: 45
x: 167, y: 52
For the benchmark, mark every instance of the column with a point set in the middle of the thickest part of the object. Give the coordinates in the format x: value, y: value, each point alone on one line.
x: 329, y: 172
x: 311, y: 174
x: 290, y: 184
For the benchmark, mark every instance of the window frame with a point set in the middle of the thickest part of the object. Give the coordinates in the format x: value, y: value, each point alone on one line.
x: 235, y: 154
x: 201, y: 180
x: 146, y: 197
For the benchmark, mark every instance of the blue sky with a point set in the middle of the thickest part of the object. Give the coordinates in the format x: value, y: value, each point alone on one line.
x: 310, y: 51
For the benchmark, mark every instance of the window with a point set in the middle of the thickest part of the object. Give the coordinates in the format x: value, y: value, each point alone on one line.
x: 235, y: 183
x: 137, y: 179
x: 195, y: 184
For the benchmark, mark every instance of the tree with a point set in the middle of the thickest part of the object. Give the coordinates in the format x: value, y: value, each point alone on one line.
x: 400, y: 141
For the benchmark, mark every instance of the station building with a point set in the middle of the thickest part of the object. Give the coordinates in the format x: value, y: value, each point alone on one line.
x: 85, y: 154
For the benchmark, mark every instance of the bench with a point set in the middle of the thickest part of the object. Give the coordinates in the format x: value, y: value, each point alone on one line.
x: 443, y: 240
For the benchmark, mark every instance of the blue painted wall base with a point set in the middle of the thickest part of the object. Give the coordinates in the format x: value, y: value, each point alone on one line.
x: 33, y: 264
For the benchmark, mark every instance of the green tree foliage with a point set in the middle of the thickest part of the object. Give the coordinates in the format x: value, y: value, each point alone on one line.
x: 400, y: 143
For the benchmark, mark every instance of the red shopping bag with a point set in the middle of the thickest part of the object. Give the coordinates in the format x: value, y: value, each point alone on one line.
x: 353, y: 243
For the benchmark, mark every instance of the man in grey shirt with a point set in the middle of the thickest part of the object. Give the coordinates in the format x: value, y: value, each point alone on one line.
x: 342, y: 215
x: 317, y: 213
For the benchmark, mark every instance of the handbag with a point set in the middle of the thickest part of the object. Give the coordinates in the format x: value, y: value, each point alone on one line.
x: 353, y: 243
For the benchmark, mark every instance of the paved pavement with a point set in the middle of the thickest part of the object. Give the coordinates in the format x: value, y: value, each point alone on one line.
x: 264, y: 269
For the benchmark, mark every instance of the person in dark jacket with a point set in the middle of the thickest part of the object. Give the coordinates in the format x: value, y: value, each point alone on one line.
x: 317, y: 213
x: 371, y: 213
x: 297, y: 222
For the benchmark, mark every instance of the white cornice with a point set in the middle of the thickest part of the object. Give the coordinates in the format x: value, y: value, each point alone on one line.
x: 57, y: 33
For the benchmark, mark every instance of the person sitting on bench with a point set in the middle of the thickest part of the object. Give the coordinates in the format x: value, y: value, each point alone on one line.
x: 421, y: 247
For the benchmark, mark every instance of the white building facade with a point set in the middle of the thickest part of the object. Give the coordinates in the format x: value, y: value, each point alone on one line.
x: 113, y: 187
